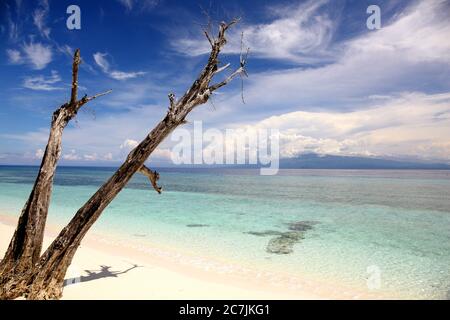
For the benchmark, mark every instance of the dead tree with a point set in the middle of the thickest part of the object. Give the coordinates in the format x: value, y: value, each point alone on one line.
x: 26, y: 244
x: 46, y: 279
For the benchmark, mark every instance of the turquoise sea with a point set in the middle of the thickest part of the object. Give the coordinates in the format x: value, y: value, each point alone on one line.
x: 332, y: 224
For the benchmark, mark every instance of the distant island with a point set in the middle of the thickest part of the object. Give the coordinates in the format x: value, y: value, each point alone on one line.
x: 316, y: 161
x: 326, y: 161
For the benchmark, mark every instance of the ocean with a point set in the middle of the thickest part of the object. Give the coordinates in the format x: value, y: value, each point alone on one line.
x: 385, y: 231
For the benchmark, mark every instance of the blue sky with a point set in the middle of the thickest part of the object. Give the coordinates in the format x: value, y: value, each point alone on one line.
x: 329, y: 84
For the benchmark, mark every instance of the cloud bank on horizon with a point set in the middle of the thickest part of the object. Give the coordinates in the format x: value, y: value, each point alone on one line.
x: 330, y: 85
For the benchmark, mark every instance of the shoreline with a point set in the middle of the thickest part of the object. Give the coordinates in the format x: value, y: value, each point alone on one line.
x: 107, y: 267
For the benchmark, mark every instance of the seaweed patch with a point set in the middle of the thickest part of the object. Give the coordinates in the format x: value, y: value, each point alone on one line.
x: 283, y: 242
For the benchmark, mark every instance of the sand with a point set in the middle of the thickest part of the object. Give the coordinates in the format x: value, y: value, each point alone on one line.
x: 111, y: 268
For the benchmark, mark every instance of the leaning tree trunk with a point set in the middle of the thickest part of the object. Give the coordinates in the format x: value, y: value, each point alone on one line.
x: 46, y: 280
x: 26, y: 244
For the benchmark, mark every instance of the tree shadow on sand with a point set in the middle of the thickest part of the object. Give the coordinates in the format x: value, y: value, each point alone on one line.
x: 104, y: 272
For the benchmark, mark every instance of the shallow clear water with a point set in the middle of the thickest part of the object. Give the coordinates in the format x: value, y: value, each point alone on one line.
x: 397, y: 221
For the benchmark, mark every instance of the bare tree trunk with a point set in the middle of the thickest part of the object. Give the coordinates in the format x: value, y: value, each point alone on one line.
x: 26, y: 244
x: 46, y: 280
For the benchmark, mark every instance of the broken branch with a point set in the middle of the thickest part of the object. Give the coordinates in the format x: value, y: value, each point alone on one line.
x: 86, y: 99
x: 153, y: 176
x: 216, y: 86
x: 209, y: 38
x: 222, y: 68
x: 76, y: 63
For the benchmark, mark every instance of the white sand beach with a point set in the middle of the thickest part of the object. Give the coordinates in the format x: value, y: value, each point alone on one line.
x: 104, y: 268
x: 147, y: 281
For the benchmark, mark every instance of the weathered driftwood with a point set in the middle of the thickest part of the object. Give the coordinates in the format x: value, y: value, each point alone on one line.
x: 45, y: 280
x: 25, y: 247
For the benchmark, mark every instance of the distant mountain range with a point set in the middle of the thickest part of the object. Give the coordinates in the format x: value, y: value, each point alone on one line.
x: 315, y: 161
x: 305, y: 161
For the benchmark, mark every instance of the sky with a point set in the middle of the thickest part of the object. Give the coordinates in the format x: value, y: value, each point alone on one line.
x: 316, y: 73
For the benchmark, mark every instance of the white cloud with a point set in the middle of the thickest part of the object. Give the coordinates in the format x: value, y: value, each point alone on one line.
x: 43, y: 83
x: 14, y: 56
x: 71, y: 156
x: 37, y: 55
x: 303, y: 32
x: 129, y: 144
x: 39, y: 18
x: 128, y: 4
x: 142, y: 5
x: 375, y: 65
x: 108, y: 156
x: 67, y: 50
x: 96, y: 157
x: 13, y: 30
x: 298, y: 33
x: 104, y: 65
x: 120, y: 75
x: 39, y: 154
x: 162, y: 154
x: 90, y: 157
x: 101, y: 61
x: 416, y: 36
x: 74, y: 156
x: 410, y: 125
